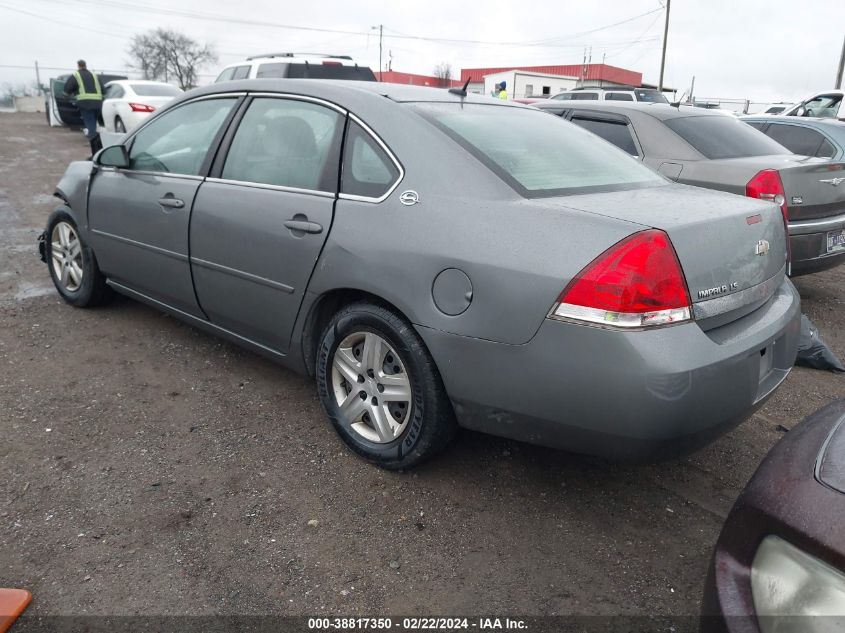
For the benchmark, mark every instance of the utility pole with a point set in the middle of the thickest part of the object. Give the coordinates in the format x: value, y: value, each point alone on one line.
x: 601, y: 74
x: 38, y: 77
x: 663, y: 55
x: 380, y: 28
x: 841, y: 66
x: 584, y: 67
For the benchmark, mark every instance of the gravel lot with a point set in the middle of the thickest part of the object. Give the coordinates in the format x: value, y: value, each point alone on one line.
x: 148, y: 468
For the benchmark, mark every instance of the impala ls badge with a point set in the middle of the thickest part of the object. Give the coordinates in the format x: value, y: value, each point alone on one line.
x: 833, y: 181
x: 762, y: 248
x: 409, y: 198
x: 718, y: 290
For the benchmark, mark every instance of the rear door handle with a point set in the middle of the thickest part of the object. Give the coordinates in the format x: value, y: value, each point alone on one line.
x: 173, y: 203
x: 303, y: 226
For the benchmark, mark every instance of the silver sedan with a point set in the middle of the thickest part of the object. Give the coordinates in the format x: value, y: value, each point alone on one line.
x: 435, y: 259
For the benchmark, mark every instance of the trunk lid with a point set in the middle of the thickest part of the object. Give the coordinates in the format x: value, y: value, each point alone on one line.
x: 814, y: 189
x: 732, y: 249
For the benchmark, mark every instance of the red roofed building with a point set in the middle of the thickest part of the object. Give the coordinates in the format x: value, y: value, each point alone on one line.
x: 410, y: 79
x: 589, y: 74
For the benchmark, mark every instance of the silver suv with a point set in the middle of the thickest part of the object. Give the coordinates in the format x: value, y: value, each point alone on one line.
x: 297, y: 66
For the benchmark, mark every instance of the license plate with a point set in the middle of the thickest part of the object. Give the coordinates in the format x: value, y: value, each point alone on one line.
x: 836, y: 241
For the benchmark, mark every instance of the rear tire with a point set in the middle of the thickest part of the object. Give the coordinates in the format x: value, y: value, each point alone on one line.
x: 72, y: 264
x: 404, y: 415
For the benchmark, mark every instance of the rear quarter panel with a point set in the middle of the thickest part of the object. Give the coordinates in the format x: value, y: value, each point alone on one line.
x: 519, y: 254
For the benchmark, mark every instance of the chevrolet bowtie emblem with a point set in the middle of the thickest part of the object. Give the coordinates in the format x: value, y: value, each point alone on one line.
x: 833, y: 181
x: 762, y: 248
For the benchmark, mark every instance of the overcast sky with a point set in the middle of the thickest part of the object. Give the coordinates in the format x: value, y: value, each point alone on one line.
x: 765, y: 50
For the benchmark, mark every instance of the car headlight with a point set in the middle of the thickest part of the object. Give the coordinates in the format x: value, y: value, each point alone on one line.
x: 788, y: 582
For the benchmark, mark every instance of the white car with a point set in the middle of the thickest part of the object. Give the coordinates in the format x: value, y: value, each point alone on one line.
x: 126, y: 103
x: 825, y: 105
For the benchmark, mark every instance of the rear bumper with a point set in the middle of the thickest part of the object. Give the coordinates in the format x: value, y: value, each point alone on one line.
x: 808, y: 240
x: 623, y: 395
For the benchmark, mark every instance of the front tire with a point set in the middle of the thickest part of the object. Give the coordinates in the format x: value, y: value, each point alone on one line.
x: 381, y: 388
x: 72, y: 264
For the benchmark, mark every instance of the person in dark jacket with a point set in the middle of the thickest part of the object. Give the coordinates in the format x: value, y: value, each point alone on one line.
x: 89, y: 99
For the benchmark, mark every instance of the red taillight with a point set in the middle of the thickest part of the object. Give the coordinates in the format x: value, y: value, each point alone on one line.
x: 141, y: 107
x: 638, y: 282
x: 767, y: 185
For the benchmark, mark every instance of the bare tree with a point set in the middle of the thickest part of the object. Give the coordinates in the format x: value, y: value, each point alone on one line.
x: 443, y: 73
x: 164, y: 55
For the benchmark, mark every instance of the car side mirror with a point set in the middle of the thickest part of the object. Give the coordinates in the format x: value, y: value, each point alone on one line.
x: 801, y: 111
x: 114, y: 156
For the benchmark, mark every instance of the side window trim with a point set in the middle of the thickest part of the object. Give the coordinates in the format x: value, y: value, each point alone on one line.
x: 216, y: 170
x: 390, y: 155
x: 616, y: 119
x: 212, y: 148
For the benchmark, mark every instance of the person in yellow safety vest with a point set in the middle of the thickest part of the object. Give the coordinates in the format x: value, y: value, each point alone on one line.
x: 503, y: 93
x: 89, y: 99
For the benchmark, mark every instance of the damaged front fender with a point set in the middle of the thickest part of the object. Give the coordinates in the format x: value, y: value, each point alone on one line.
x: 73, y: 190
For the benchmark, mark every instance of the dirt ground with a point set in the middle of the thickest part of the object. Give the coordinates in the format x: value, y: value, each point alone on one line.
x: 149, y: 468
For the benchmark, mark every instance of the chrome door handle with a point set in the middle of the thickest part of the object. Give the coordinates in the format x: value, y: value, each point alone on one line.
x: 303, y: 226
x: 174, y: 203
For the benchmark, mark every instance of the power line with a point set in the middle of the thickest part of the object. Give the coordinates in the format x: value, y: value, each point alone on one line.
x: 76, y: 26
x: 217, y: 17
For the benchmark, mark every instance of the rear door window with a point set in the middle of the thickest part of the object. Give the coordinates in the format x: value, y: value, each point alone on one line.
x: 717, y: 136
x: 614, y: 132
x: 619, y: 96
x: 585, y: 96
x: 274, y: 70
x: 367, y: 169
x: 797, y: 139
x: 241, y: 72
x: 288, y: 143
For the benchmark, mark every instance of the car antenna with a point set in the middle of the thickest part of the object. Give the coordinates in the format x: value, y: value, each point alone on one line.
x: 461, y: 92
x: 677, y: 104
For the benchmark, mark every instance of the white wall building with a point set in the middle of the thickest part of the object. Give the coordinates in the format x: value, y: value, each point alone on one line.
x: 522, y: 84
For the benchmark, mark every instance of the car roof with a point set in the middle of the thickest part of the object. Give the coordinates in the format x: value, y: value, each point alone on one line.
x: 811, y: 121
x: 661, y: 111
x: 342, y: 90
x: 296, y: 58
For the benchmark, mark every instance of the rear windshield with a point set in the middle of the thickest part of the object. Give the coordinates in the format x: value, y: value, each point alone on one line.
x: 537, y: 154
x: 650, y: 96
x: 316, y: 71
x: 155, y: 90
x: 724, y: 137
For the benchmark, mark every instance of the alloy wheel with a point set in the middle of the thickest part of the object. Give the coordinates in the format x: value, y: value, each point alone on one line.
x: 371, y: 387
x: 66, y: 252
